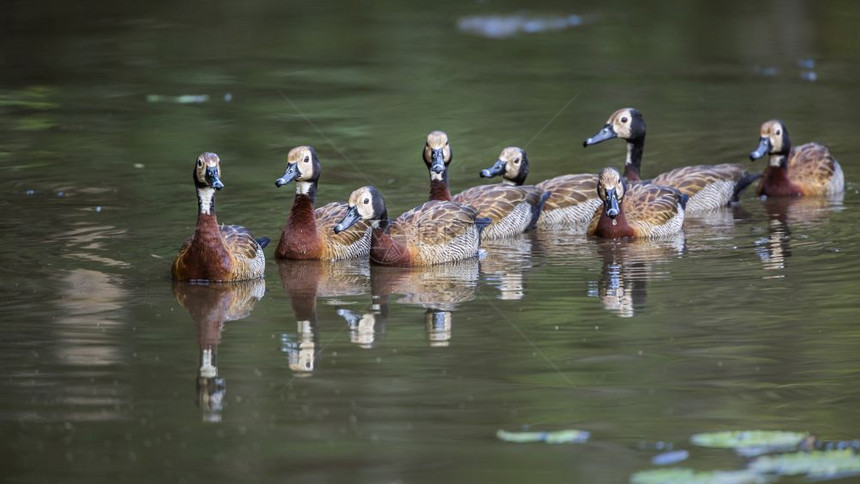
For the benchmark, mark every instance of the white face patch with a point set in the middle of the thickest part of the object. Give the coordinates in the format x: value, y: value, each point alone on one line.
x: 435, y: 176
x: 302, y: 188
x: 204, y: 198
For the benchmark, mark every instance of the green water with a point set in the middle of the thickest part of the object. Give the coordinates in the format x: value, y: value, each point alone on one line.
x: 350, y: 373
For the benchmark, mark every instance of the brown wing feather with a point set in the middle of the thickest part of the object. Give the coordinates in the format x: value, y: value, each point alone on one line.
x: 650, y: 204
x: 811, y: 166
x: 569, y: 190
x: 689, y: 180
x: 330, y: 215
x: 239, y: 241
x: 497, y: 201
x: 434, y: 223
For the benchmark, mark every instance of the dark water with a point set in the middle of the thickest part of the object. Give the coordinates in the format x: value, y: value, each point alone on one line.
x: 350, y: 373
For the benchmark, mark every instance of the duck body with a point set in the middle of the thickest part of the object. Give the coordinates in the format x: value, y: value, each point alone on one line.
x: 511, y: 209
x: 308, y: 233
x: 708, y: 187
x: 216, y: 253
x: 433, y: 233
x: 637, y: 210
x: 571, y: 204
x: 806, y: 170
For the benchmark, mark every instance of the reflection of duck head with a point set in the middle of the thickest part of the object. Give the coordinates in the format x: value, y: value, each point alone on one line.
x: 303, y: 281
x: 439, y: 288
x: 210, y: 305
x: 622, y: 287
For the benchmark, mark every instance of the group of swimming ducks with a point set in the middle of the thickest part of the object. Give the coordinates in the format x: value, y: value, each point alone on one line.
x: 449, y: 228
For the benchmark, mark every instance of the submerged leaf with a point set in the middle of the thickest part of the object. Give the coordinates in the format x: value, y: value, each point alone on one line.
x: 827, y: 463
x: 750, y: 442
x: 689, y: 476
x: 557, y: 437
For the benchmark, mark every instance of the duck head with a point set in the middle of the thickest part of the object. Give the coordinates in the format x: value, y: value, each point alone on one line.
x: 773, y: 140
x: 366, y: 203
x: 207, y: 171
x: 303, y: 167
x: 626, y: 123
x: 610, y: 189
x: 512, y: 165
x: 437, y: 154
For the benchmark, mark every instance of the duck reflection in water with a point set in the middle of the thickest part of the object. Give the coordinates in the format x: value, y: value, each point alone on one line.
x: 627, y: 267
x: 303, y: 282
x: 210, y: 306
x: 438, y: 289
x: 504, y: 263
x: 783, y: 214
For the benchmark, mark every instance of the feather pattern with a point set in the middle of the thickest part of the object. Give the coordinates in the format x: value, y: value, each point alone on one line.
x: 509, y: 208
x: 709, y: 187
x: 815, y: 170
x: 571, y: 203
x: 437, y: 232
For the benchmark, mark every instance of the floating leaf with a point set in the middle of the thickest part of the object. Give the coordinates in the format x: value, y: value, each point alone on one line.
x: 557, y: 437
x: 750, y: 442
x: 689, y: 476
x: 827, y: 463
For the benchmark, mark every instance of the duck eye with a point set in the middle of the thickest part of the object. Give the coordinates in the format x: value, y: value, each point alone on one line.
x: 306, y: 159
x: 366, y: 201
x: 624, y: 119
x: 778, y: 132
x: 200, y: 163
x: 517, y: 161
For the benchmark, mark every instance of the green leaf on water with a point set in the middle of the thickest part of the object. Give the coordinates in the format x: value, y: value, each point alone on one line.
x: 557, y: 437
x: 820, y: 463
x: 689, y: 476
x: 750, y: 442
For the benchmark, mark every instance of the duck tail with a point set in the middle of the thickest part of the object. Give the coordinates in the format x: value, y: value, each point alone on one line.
x: 263, y: 241
x: 744, y: 182
x: 536, y: 210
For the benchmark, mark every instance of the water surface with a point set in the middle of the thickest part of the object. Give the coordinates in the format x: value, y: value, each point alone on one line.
x: 350, y: 373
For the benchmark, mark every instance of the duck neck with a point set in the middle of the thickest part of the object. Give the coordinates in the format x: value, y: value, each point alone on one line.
x: 207, y: 222
x: 635, y: 148
x: 613, y: 228
x: 778, y: 160
x: 439, y: 186
x: 775, y: 181
x: 303, y: 204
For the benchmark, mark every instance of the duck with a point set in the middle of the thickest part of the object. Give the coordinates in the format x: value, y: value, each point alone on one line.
x: 807, y: 170
x: 217, y: 253
x: 511, y: 209
x: 307, y: 232
x: 433, y: 233
x: 709, y: 187
x: 636, y: 210
x: 571, y: 200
